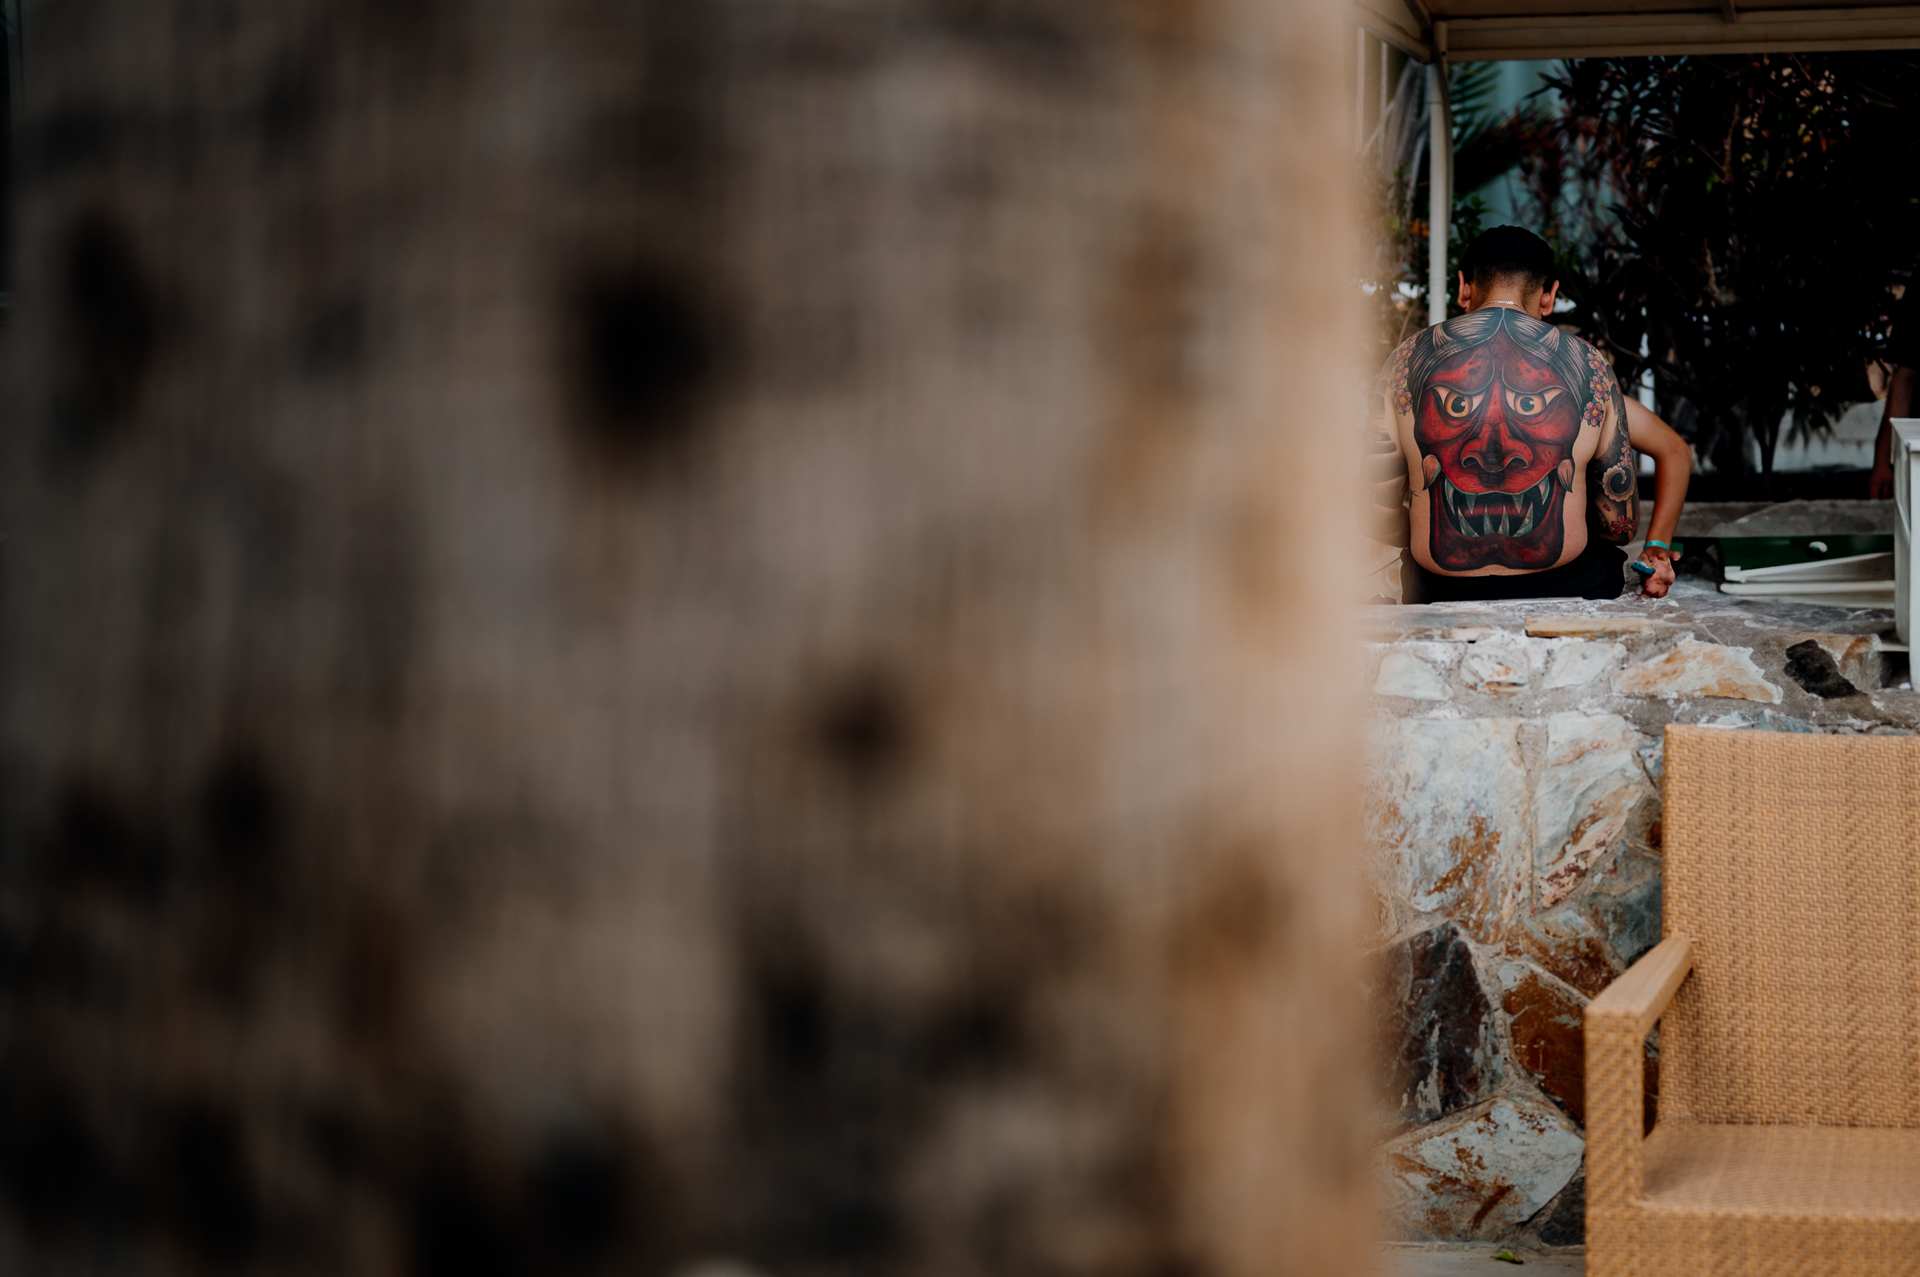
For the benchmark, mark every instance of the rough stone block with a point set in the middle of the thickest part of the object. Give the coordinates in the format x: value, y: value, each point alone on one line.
x: 1580, y: 662
x: 1379, y: 921
x: 1544, y: 1026
x: 1567, y: 1220
x: 1600, y: 932
x: 1406, y: 675
x: 1859, y: 658
x: 1434, y: 1028
x: 1494, y: 669
x: 1481, y: 1173
x: 1428, y: 621
x: 1650, y: 1084
x: 1618, y: 625
x: 1571, y: 943
x: 1590, y: 783
x: 1449, y: 811
x: 1653, y: 757
x: 1694, y: 668
x: 1814, y: 669
x: 1630, y: 918
x: 1764, y: 720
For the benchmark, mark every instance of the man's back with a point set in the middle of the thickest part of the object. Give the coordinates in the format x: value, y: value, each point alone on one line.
x: 1515, y: 437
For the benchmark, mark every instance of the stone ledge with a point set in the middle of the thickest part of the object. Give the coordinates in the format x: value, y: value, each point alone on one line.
x: 1607, y: 626
x: 1399, y: 622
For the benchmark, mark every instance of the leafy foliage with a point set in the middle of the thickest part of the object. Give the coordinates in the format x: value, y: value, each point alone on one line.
x: 1745, y: 216
x: 1488, y: 143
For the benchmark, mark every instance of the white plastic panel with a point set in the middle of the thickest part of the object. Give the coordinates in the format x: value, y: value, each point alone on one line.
x: 1906, y: 464
x: 1854, y: 567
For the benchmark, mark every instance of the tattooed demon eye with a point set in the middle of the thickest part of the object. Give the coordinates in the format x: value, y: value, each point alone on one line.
x: 1524, y: 404
x: 1454, y: 403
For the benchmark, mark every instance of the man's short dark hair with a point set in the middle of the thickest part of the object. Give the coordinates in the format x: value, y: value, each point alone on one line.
x: 1508, y: 253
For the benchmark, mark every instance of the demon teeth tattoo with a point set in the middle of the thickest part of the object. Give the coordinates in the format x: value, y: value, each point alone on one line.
x: 1487, y: 514
x: 1498, y: 401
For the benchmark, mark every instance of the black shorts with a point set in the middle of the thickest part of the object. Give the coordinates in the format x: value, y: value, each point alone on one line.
x: 1595, y: 573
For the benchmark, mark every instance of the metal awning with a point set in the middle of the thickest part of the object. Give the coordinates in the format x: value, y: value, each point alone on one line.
x: 1497, y: 30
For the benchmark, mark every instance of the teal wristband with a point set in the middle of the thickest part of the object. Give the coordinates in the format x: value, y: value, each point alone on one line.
x: 1663, y: 545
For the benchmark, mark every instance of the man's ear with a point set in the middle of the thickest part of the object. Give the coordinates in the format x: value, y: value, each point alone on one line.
x: 1548, y: 298
x: 1466, y: 292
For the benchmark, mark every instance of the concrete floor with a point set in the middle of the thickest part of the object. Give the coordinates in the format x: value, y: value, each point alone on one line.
x: 1476, y: 1261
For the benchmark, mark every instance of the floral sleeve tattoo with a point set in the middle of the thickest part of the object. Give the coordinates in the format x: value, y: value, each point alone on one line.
x: 1613, y: 496
x: 1399, y: 398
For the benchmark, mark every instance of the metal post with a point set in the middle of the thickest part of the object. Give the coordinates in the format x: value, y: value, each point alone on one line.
x: 1383, y: 87
x: 1440, y: 182
x: 1360, y: 92
x: 1645, y: 394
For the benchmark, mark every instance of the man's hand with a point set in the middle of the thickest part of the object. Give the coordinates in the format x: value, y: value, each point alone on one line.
x: 1661, y: 561
x: 1880, y: 483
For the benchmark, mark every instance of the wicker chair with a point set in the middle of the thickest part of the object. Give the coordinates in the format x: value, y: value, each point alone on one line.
x: 1789, y: 1130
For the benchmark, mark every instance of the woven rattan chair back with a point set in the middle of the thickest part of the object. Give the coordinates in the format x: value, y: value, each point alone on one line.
x: 1791, y: 861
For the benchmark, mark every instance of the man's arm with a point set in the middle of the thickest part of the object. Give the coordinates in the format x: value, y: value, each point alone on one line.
x: 1387, y: 520
x: 1672, y: 468
x: 1900, y: 389
x: 1613, y: 495
x: 1387, y: 516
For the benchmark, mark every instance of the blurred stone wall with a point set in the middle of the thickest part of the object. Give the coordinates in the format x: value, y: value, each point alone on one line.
x: 1514, y: 816
x: 643, y: 636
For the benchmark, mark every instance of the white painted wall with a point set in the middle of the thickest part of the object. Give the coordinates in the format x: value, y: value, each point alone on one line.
x: 1850, y: 445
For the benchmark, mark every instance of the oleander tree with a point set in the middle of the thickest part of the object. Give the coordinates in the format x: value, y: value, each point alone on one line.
x: 1743, y: 220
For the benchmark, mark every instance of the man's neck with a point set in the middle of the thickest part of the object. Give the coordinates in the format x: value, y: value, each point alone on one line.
x: 1511, y: 300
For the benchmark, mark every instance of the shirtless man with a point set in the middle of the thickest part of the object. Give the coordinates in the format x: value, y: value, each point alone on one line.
x: 1520, y: 447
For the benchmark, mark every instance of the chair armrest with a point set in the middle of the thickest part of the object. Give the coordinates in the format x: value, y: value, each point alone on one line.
x: 1642, y: 994
x: 1617, y: 1024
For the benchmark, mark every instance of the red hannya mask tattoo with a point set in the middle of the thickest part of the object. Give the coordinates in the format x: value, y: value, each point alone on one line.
x: 1497, y: 405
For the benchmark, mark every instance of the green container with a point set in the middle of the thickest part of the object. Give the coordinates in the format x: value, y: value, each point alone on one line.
x: 1748, y: 553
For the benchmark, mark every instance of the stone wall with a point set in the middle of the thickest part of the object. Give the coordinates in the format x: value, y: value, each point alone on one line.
x: 1514, y: 820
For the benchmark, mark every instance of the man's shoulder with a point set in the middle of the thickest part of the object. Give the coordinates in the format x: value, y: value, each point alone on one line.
x: 1398, y: 359
x: 1592, y: 351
